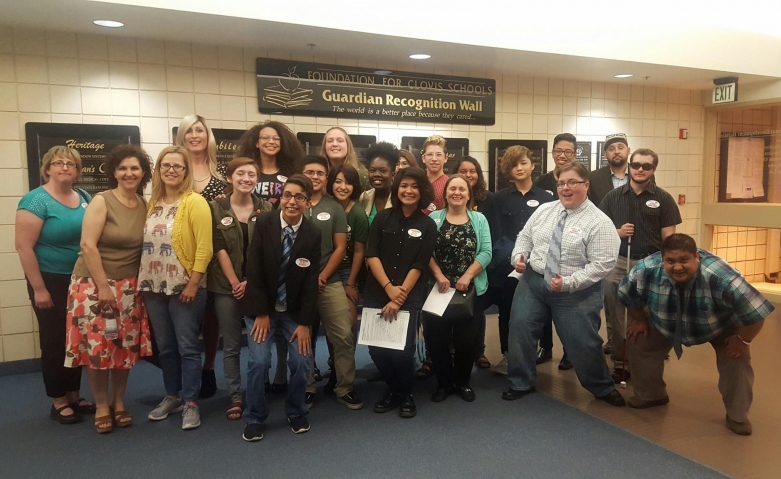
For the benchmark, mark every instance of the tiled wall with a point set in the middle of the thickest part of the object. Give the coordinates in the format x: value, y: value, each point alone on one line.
x: 67, y: 78
x: 744, y: 248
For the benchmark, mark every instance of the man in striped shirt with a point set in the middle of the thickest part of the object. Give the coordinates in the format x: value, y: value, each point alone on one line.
x: 691, y: 297
x: 570, y: 246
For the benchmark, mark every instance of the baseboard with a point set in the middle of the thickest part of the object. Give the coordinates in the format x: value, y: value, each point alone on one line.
x: 24, y: 366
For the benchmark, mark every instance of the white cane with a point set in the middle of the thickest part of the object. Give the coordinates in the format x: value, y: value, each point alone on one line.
x: 626, y: 311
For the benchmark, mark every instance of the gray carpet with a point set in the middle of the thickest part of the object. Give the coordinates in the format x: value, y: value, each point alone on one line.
x: 535, y: 437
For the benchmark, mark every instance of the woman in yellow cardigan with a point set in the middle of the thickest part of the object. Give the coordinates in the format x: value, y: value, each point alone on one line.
x: 177, y: 251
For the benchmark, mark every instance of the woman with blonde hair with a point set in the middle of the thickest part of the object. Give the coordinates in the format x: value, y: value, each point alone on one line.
x: 177, y: 250
x: 338, y: 148
x: 48, y: 234
x: 107, y: 330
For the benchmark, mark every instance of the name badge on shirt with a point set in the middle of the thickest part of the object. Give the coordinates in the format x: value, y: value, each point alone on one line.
x: 432, y: 207
x: 281, y: 178
x: 84, y: 205
x: 254, y: 218
x: 533, y: 203
x: 323, y: 216
x: 303, y: 263
x: 415, y: 233
x: 437, y: 220
x: 652, y: 204
x: 227, y: 221
x: 574, y: 230
x: 549, y: 192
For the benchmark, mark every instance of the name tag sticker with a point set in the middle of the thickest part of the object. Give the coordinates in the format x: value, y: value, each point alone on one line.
x: 415, y: 233
x: 437, y: 220
x: 281, y: 178
x: 324, y: 216
x: 432, y: 207
x: 254, y: 218
x: 227, y: 221
x: 652, y: 204
x: 574, y: 230
x: 534, y: 203
x: 549, y: 192
x: 84, y: 205
x: 303, y: 263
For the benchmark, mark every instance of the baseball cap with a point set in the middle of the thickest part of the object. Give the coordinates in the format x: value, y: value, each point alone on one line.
x: 615, y: 138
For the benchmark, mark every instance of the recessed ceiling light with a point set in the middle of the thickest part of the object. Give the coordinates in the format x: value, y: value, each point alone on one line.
x: 420, y: 56
x: 382, y: 72
x: 623, y: 75
x: 108, y: 23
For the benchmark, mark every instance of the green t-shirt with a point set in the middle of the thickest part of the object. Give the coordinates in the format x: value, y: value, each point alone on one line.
x: 58, y: 245
x: 328, y: 216
x: 357, y: 230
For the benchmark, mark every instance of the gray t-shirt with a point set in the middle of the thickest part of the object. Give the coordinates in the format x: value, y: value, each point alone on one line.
x: 328, y: 216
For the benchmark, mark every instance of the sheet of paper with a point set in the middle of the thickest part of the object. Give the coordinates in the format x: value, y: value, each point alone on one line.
x: 437, y: 302
x: 375, y: 331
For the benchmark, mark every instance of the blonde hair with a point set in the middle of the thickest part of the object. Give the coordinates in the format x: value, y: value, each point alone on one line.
x: 211, y: 144
x: 188, y: 184
x: 60, y: 152
x: 351, y: 158
x: 434, y: 140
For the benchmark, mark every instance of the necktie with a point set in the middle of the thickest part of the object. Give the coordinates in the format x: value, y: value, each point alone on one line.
x: 554, y: 251
x: 678, y: 335
x: 287, y: 247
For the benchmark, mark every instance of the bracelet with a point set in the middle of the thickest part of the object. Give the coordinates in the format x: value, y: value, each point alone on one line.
x: 386, y: 285
x: 351, y: 286
x: 743, y: 340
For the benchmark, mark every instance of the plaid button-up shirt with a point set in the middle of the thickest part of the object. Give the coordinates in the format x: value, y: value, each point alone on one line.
x: 716, y: 298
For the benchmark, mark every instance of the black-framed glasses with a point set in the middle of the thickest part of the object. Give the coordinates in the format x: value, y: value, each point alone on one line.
x: 63, y: 164
x: 569, y: 184
x: 298, y: 196
x: 636, y: 165
x: 567, y: 153
x: 168, y: 166
x: 319, y: 174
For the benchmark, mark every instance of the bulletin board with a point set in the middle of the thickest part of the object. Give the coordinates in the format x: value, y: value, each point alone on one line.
x: 743, y: 168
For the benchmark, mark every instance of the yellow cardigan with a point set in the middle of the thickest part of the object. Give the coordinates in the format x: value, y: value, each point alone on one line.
x: 191, y: 238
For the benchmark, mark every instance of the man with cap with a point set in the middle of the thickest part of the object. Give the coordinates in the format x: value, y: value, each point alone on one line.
x: 684, y: 296
x: 644, y: 215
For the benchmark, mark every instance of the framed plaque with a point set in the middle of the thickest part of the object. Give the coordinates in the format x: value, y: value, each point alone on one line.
x: 583, y: 153
x: 313, y: 141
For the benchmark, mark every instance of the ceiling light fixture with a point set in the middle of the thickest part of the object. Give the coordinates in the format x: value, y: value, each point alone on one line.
x: 623, y: 75
x: 108, y: 23
x: 420, y: 56
x: 382, y: 72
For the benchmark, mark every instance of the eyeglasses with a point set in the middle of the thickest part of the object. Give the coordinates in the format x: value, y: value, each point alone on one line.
x: 319, y: 174
x: 168, y: 166
x: 567, y: 153
x: 63, y: 164
x: 382, y: 171
x: 299, y: 197
x: 569, y: 184
x: 636, y: 165
x: 438, y: 156
x: 267, y: 138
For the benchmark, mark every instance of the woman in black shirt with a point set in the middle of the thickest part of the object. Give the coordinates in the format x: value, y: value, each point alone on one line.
x: 401, y: 241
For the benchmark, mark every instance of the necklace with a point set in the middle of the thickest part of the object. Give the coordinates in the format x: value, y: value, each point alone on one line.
x: 199, y: 181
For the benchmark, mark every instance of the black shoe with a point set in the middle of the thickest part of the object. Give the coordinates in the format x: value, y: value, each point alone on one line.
x: 208, y: 384
x: 278, y: 388
x: 511, y: 394
x: 565, y: 365
x: 617, y: 375
x: 351, y: 400
x: 298, y: 424
x: 607, y: 349
x: 408, y: 408
x: 252, y: 432
x: 389, y: 402
x: 467, y: 393
x: 316, y: 375
x: 57, y: 415
x: 614, y: 398
x: 544, y: 355
x: 82, y: 406
x: 442, y: 393
x: 309, y: 399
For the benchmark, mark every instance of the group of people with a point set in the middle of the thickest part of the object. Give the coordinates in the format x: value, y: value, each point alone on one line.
x: 280, y: 243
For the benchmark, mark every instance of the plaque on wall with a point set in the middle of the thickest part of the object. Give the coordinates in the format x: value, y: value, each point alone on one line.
x: 583, y: 153
x: 496, y: 149
x: 601, y: 159
x: 92, y: 142
x: 313, y: 141
x: 456, y: 148
x: 743, y: 167
x: 227, y: 142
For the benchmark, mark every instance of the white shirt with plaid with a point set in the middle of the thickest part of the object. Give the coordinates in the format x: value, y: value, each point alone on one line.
x: 589, y: 245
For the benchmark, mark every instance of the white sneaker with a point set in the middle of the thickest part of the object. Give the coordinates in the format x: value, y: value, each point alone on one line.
x: 166, y: 406
x: 501, y: 368
x: 191, y: 416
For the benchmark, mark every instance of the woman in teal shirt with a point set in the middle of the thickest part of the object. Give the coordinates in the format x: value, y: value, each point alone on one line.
x: 48, y: 237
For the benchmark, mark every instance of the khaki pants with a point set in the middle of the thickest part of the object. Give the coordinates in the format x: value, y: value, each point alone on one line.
x: 335, y: 317
x: 615, y: 312
x: 736, y: 376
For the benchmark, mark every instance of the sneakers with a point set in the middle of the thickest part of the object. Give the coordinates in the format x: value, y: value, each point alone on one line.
x: 252, y: 432
x: 298, y: 424
x: 191, y: 416
x: 501, y: 368
x: 351, y: 400
x: 166, y: 407
x: 544, y: 355
x: 309, y: 399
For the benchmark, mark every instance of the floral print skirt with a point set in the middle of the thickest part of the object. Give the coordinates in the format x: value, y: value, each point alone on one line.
x: 85, y: 343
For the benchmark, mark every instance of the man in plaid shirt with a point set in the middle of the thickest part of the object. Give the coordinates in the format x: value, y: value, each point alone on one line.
x: 692, y: 297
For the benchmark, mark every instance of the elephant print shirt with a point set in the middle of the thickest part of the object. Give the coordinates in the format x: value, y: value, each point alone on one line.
x: 161, y: 271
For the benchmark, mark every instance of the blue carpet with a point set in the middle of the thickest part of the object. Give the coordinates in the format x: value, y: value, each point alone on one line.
x: 534, y: 437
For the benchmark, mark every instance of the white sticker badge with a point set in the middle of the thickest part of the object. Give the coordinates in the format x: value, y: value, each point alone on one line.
x: 437, y: 220
x: 415, y: 233
x: 281, y: 178
x: 303, y: 262
x: 84, y: 205
x: 549, y: 192
x: 652, y: 204
x: 254, y: 218
x: 227, y: 221
x: 533, y: 203
x: 323, y: 216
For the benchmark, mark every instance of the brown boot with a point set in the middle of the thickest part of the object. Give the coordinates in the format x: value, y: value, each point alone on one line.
x: 739, y: 428
x: 637, y: 403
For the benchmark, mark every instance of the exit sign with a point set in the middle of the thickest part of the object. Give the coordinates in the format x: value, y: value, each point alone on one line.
x: 725, y: 93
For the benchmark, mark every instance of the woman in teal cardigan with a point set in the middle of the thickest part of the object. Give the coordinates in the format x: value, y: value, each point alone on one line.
x: 462, y: 253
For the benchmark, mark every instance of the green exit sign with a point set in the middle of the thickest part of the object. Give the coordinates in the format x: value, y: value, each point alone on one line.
x: 725, y: 93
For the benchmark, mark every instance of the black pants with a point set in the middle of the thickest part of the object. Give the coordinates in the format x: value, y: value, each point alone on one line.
x: 57, y: 379
x: 464, y: 336
x: 397, y: 367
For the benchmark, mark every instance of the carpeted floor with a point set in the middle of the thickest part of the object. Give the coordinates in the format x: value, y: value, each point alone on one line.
x: 534, y: 437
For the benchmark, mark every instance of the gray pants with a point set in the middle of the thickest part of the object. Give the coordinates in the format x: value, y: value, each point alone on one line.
x: 736, y: 376
x: 615, y: 312
x: 229, y: 315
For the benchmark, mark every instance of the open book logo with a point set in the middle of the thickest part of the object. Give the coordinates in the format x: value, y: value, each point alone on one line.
x: 288, y: 93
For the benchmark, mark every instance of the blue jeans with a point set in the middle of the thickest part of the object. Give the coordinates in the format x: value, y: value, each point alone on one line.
x: 176, y: 328
x: 259, y: 363
x: 576, y: 316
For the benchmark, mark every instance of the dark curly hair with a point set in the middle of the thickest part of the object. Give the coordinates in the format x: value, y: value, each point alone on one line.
x: 480, y: 189
x: 424, y: 187
x: 115, y: 157
x: 386, y: 151
x: 290, y: 149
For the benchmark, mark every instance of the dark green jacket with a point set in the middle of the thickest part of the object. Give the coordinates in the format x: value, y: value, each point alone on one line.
x: 231, y: 235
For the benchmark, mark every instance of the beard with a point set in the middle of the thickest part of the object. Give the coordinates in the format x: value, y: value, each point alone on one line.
x: 617, y: 161
x: 643, y: 181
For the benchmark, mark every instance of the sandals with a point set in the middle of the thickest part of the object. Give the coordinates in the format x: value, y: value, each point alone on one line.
x: 104, y: 424
x: 122, y: 418
x: 424, y: 372
x: 482, y: 362
x: 57, y: 415
x: 234, y: 411
x: 81, y: 408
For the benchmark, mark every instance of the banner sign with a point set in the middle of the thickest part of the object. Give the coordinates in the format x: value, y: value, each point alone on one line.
x: 319, y: 89
x: 456, y: 148
x: 93, y: 142
x: 227, y: 143
x: 496, y: 149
